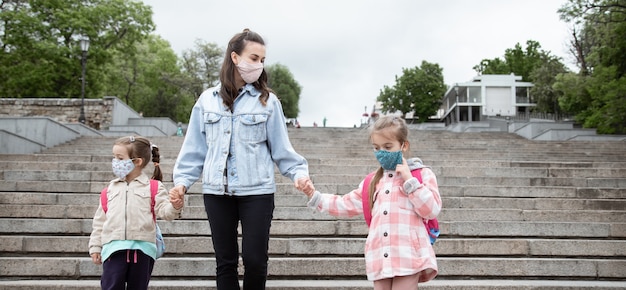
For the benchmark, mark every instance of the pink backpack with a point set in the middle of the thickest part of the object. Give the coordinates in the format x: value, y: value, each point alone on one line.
x: 432, y: 226
x: 154, y: 187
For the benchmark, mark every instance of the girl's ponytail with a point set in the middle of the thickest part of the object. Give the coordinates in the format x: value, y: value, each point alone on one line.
x: 156, y: 158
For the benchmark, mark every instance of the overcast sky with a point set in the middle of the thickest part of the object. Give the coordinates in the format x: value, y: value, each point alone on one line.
x: 342, y: 52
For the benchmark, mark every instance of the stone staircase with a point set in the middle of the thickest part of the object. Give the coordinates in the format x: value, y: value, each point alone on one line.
x: 518, y: 214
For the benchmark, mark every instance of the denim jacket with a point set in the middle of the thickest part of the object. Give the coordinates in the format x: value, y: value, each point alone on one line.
x: 246, y: 142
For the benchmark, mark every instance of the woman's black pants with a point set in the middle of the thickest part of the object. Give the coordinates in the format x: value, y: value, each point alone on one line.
x: 255, y: 214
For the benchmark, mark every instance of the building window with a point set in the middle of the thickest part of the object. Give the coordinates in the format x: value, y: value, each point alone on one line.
x: 474, y: 95
x: 521, y: 95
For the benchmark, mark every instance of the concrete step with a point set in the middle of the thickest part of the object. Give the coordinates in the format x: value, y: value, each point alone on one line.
x: 311, y: 267
x: 92, y: 145
x: 196, y: 212
x: 366, y: 152
x: 518, y: 214
x: 328, y: 173
x: 344, y: 227
x: 323, y: 165
x: 465, y: 197
x: 85, y: 170
x: 179, y: 246
x: 351, y: 135
x: 437, y: 284
x: 95, y: 162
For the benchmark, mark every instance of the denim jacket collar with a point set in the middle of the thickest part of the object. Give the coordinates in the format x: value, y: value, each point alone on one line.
x: 249, y: 88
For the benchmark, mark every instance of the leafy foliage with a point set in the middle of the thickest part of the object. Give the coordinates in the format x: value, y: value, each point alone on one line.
x: 202, y: 66
x: 517, y: 60
x: 544, y: 76
x: 286, y: 88
x: 40, y: 43
x: 418, y: 90
x: 597, y: 95
x: 149, y: 81
x: 40, y: 57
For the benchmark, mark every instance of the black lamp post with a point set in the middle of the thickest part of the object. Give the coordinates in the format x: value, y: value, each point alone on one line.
x: 84, y: 46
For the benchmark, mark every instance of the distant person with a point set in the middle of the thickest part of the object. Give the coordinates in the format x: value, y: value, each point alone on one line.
x: 398, y: 251
x: 314, y: 124
x: 179, y: 130
x: 235, y: 136
x: 123, y: 239
x: 324, y: 122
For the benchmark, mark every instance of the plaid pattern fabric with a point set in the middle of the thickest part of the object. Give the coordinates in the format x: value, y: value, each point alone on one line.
x: 397, y: 243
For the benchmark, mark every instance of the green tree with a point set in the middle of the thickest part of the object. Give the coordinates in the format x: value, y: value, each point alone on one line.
x: 418, y: 90
x: 149, y: 81
x: 40, y: 54
x: 287, y: 89
x: 544, y: 78
x: 600, y: 49
x: 494, y: 66
x: 517, y: 60
x: 575, y: 97
x: 534, y: 65
x: 522, y: 62
x: 201, y: 67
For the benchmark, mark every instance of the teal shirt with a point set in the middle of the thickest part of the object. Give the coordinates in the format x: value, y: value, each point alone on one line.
x: 118, y: 245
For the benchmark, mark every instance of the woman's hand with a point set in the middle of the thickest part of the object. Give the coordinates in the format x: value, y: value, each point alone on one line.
x: 305, y: 185
x: 177, y: 196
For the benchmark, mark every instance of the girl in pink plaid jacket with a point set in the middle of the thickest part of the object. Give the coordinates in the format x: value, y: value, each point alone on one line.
x: 398, y: 253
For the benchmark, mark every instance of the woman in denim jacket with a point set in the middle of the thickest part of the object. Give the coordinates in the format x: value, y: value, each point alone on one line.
x: 237, y: 132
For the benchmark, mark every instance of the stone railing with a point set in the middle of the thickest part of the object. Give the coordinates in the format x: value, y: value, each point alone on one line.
x: 98, y: 112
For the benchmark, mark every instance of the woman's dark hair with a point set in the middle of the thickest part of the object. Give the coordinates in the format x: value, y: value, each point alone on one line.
x: 229, y: 89
x: 140, y: 147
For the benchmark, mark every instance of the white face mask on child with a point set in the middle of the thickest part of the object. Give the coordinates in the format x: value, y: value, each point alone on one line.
x: 121, y: 168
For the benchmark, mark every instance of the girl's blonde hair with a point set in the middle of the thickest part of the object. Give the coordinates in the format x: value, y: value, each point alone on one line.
x: 392, y: 126
x: 140, y: 147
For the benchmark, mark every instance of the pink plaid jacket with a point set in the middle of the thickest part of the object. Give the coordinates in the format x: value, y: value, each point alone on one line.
x: 397, y: 243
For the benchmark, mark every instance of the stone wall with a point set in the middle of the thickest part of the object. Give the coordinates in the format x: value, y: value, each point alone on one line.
x: 98, y: 112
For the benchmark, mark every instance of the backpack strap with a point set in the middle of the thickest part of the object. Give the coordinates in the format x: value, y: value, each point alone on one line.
x: 103, y: 199
x: 154, y: 189
x: 365, y: 197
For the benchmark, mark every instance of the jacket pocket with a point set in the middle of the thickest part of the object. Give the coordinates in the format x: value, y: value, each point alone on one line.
x: 253, y: 127
x: 211, y: 126
x: 142, y: 203
x: 113, y: 199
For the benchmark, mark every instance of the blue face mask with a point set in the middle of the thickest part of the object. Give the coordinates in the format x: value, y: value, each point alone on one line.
x: 388, y: 160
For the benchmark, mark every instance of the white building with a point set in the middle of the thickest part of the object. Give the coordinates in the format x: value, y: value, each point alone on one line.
x: 486, y: 96
x: 483, y: 97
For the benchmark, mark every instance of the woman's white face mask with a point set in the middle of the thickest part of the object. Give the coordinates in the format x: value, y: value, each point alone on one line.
x: 250, y: 72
